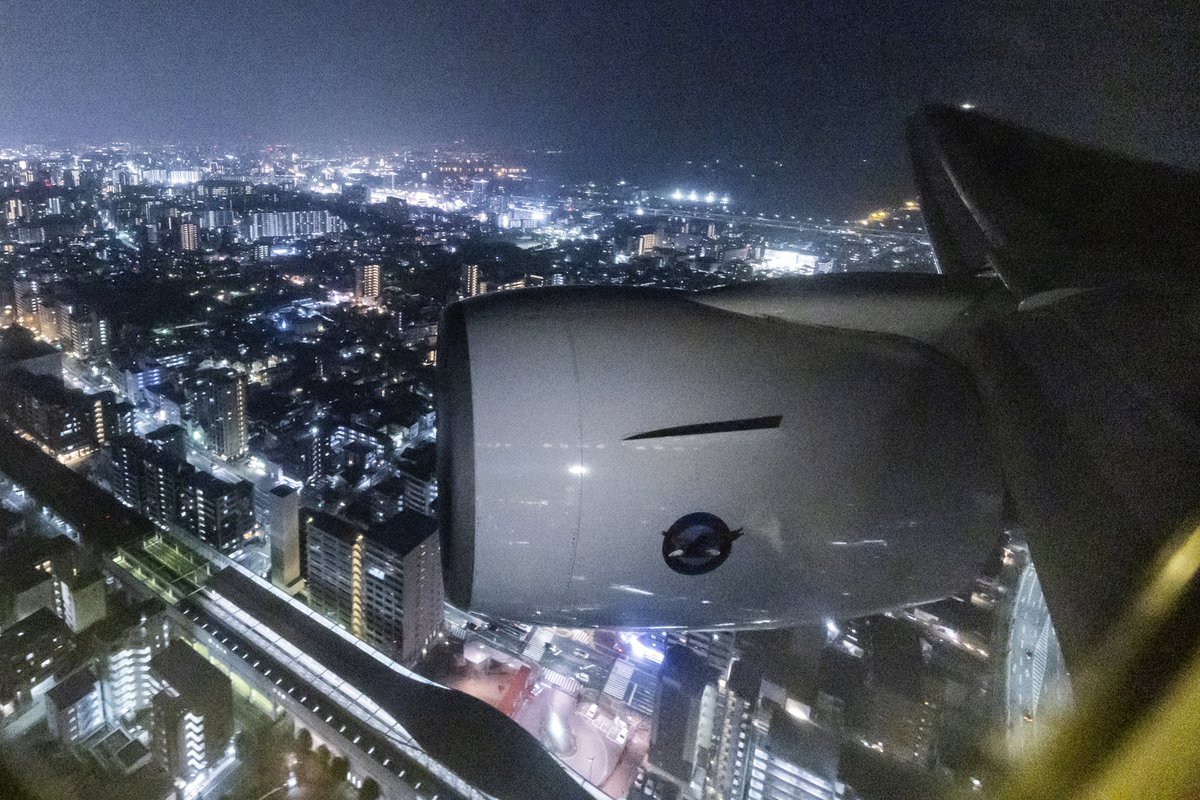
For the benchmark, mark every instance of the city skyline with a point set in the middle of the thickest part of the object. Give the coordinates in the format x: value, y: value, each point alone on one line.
x: 635, y: 90
x: 261, y: 420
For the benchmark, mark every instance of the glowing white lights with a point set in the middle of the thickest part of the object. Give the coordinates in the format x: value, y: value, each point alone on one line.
x: 577, y: 469
x: 640, y: 650
x: 694, y: 196
x: 790, y: 261
x: 622, y: 587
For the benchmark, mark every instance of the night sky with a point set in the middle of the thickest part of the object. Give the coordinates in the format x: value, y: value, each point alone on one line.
x: 627, y: 89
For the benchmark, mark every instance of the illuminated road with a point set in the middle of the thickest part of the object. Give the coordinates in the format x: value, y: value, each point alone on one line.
x: 573, y: 659
x: 89, y: 380
x: 1036, y: 677
x: 786, y: 224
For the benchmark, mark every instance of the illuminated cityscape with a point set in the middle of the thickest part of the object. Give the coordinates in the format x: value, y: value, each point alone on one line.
x: 222, y: 521
x: 267, y: 410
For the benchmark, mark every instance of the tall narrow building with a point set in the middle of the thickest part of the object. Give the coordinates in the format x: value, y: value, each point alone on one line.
x: 418, y: 470
x: 366, y: 282
x: 193, y: 712
x: 189, y: 237
x: 277, y: 510
x: 470, y: 280
x: 219, y: 404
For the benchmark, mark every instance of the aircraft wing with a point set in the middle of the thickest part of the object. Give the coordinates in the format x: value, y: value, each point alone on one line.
x: 1091, y: 380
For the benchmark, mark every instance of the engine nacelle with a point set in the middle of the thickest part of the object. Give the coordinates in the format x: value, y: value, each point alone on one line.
x: 637, y: 458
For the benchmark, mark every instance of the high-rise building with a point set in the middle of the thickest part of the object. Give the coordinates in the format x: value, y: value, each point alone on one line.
x: 470, y: 280
x: 277, y: 510
x: 138, y: 378
x: 386, y: 498
x: 418, y: 470
x: 193, y: 712
x: 717, y: 648
x: 189, y: 237
x: 150, y: 480
x: 216, y: 219
x: 792, y: 759
x: 65, y: 421
x: 727, y: 748
x: 87, y: 334
x: 644, y: 243
x: 338, y: 444
x: 48, y: 316
x: 168, y: 490
x: 395, y: 208
x: 171, y: 176
x: 129, y: 686
x: 320, y: 456
x: 27, y: 300
x: 74, y: 709
x: 677, y: 756
x: 15, y: 209
x: 356, y: 193
x: 366, y: 282
x: 32, y: 652
x: 81, y: 599
x: 479, y: 191
x: 221, y: 513
x: 383, y: 582
x: 219, y: 404
x: 291, y: 224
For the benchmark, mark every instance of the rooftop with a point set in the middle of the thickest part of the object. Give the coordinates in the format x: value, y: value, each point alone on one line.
x: 404, y: 531
x: 70, y: 691
x: 420, y: 461
x: 804, y: 744
x: 400, y: 533
x: 103, y: 523
x: 187, y: 671
x: 41, y: 624
x: 18, y: 344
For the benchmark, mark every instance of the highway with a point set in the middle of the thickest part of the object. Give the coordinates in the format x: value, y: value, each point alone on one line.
x: 787, y: 224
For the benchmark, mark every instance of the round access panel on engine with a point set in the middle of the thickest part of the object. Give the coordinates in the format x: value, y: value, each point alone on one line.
x: 697, y: 543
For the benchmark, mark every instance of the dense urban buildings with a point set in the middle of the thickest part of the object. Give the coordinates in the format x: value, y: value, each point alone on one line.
x: 235, y: 357
x: 170, y: 491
